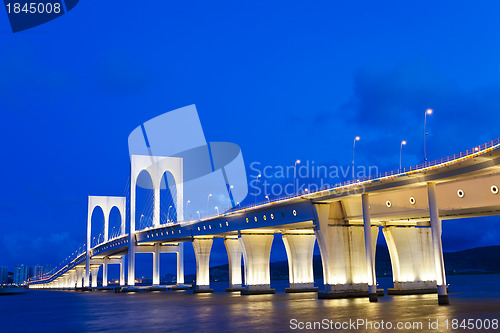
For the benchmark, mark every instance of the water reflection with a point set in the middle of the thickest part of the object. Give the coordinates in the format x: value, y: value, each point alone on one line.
x: 183, y: 311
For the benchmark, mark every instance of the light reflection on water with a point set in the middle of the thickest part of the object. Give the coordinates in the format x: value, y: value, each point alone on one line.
x: 65, y: 311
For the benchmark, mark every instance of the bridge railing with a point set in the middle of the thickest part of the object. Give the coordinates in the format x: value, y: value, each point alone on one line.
x: 61, y: 266
x: 469, y: 153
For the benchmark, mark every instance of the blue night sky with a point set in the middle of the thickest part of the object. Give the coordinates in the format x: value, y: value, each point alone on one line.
x: 284, y: 80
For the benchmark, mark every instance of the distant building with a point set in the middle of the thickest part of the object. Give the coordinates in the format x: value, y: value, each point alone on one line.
x: 21, y: 275
x: 4, y: 275
x: 39, y: 271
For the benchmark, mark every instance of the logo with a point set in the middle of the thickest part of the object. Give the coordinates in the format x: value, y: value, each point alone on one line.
x: 207, y: 178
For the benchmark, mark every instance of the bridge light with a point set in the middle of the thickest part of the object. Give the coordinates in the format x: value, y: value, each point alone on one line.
x: 494, y: 189
x: 460, y: 193
x: 429, y: 111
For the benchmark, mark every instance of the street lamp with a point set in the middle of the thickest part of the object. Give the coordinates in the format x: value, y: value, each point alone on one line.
x: 267, y: 197
x: 186, y: 209
x: 168, y: 214
x: 199, y: 216
x: 217, y: 210
x: 208, y: 199
x: 257, y: 185
x: 294, y: 176
x: 403, y: 143
x: 353, y: 148
x: 428, y: 111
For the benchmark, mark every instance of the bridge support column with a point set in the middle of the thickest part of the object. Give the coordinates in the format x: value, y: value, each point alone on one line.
x: 95, y: 271
x: 202, y: 247
x: 72, y: 279
x: 343, y: 253
x: 412, y: 260
x: 66, y: 281
x: 105, y: 272
x: 180, y: 264
x: 256, y: 254
x: 234, y: 253
x: 370, y: 255
x: 122, y: 271
x: 79, y: 276
x: 156, y: 264
x: 86, y: 281
x: 437, y: 246
x: 299, y: 251
x: 131, y: 261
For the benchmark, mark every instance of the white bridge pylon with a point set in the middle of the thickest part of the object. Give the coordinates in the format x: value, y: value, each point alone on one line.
x: 156, y: 167
x: 106, y: 203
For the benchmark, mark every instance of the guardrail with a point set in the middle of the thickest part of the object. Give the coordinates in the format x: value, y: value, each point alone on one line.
x: 469, y: 153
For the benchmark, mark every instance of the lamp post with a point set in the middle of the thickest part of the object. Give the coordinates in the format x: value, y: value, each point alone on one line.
x: 257, y: 185
x: 217, y: 210
x: 168, y: 214
x: 294, y: 176
x: 428, y: 111
x: 208, y: 199
x: 231, y: 197
x: 353, y: 148
x: 199, y: 216
x: 267, y: 197
x: 187, y: 204
x: 400, y: 153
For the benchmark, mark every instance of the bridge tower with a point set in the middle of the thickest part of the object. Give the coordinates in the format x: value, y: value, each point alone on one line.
x: 106, y: 203
x: 155, y: 166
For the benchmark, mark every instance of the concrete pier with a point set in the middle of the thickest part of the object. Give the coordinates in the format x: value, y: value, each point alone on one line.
x: 234, y: 253
x: 256, y: 254
x: 299, y: 248
x: 202, y: 247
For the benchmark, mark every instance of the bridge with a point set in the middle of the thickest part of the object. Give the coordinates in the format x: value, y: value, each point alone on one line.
x: 407, y: 205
